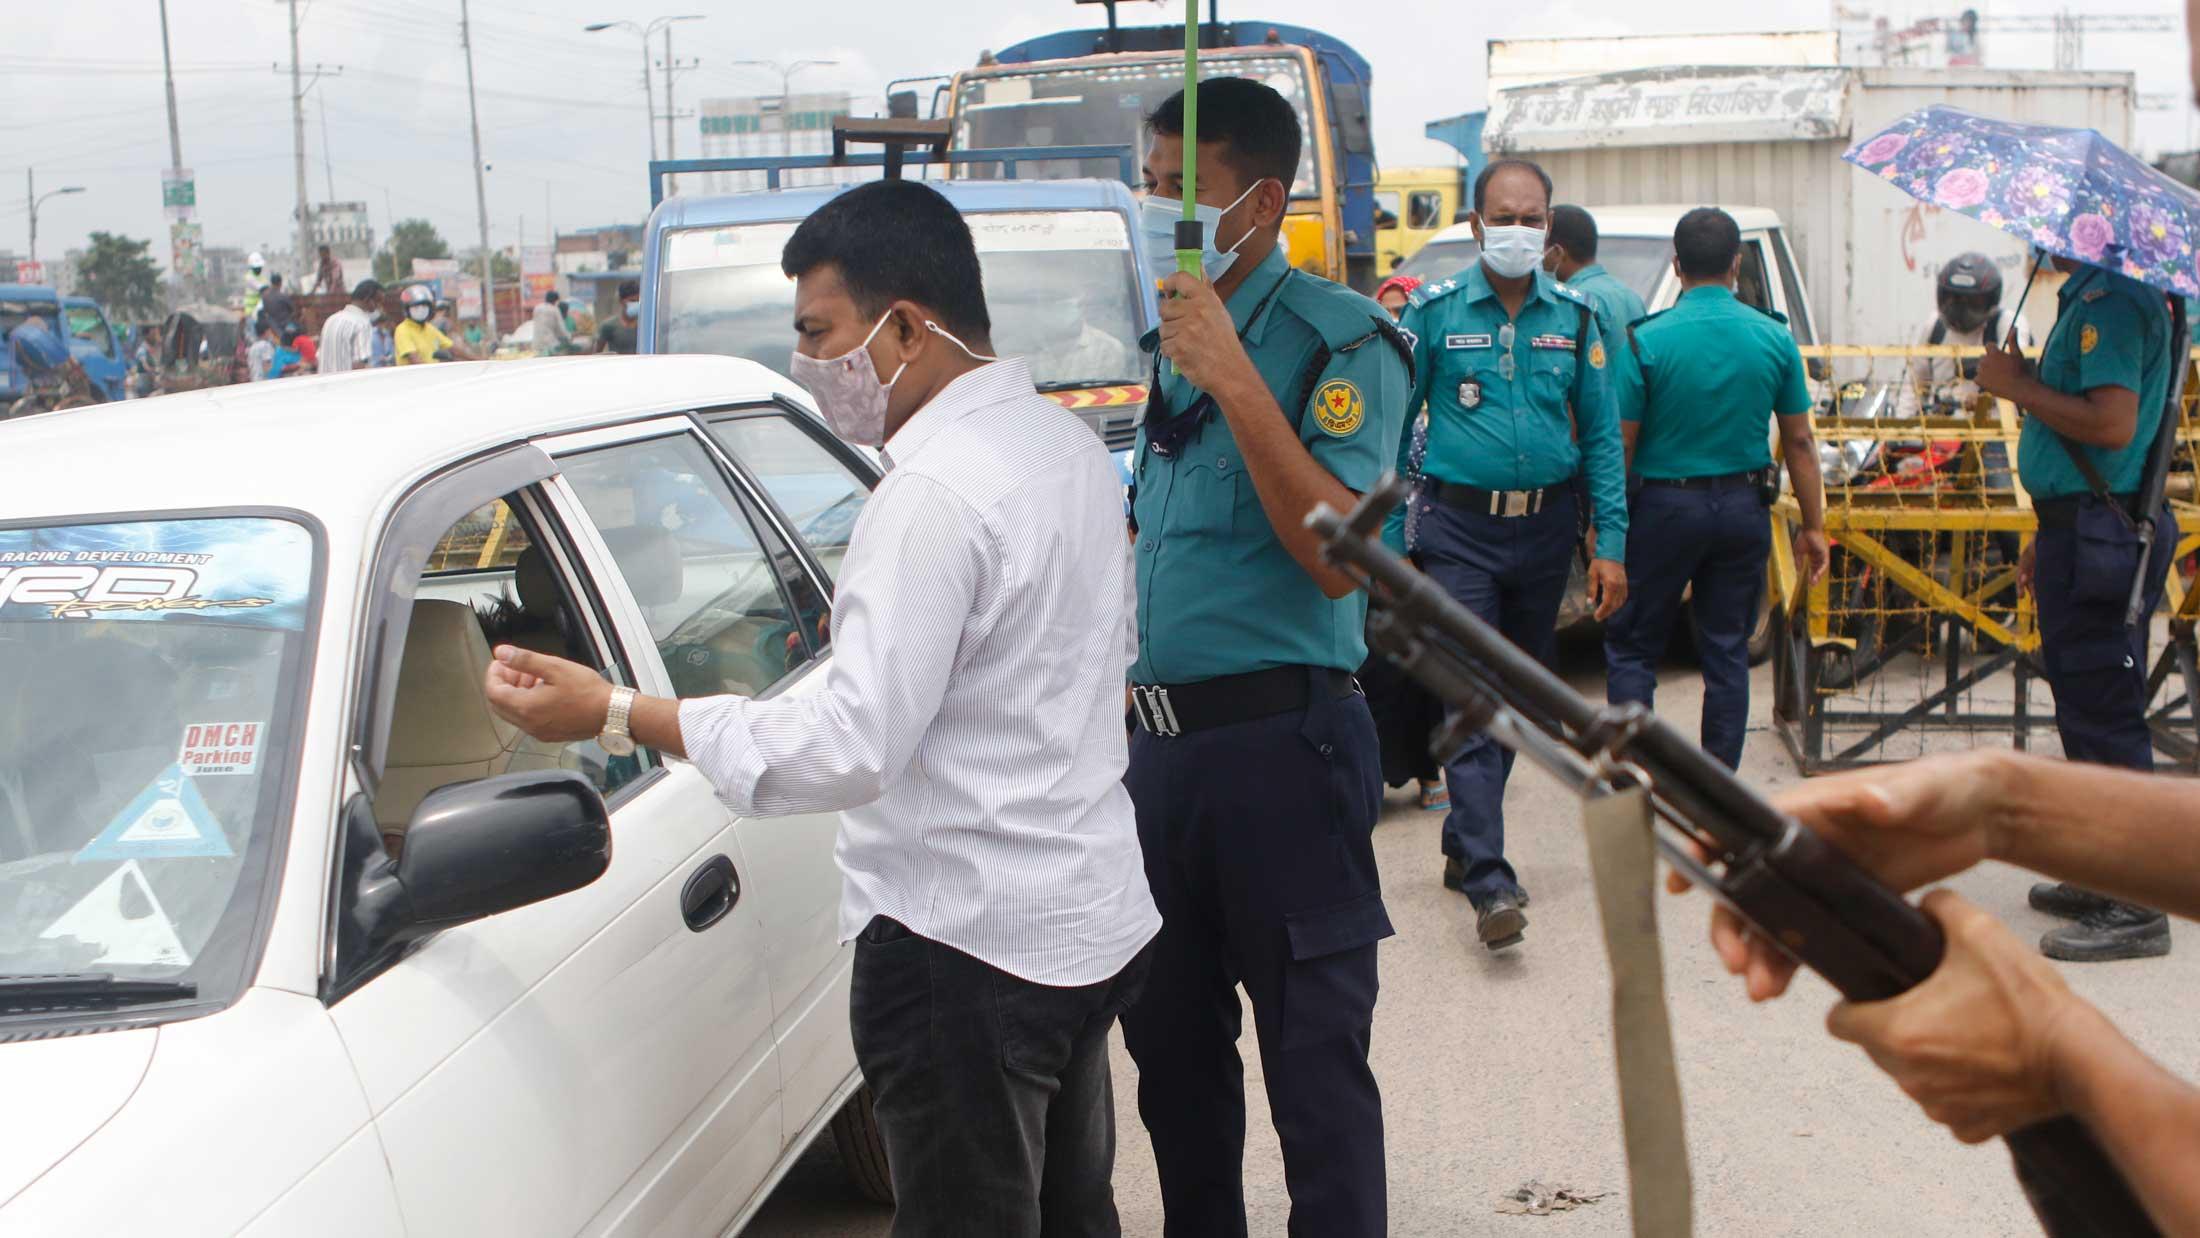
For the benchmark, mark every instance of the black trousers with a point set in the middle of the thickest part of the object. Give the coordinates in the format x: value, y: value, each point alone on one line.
x: 2096, y: 666
x: 992, y: 1092
x: 1258, y: 849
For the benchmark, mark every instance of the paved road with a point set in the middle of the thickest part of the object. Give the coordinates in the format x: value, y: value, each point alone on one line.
x: 1497, y: 1069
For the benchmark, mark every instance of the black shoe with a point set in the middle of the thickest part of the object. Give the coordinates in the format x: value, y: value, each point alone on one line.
x: 2060, y: 898
x: 1499, y: 922
x: 2118, y: 931
x: 1455, y: 878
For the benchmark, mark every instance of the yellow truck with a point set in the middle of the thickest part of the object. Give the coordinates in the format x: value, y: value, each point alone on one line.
x: 1412, y: 205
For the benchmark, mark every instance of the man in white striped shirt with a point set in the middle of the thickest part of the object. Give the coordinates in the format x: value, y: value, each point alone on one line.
x: 347, y: 338
x: 971, y: 724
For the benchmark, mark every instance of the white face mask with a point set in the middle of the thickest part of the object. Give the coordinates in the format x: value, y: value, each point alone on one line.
x: 847, y: 389
x: 419, y: 313
x: 627, y: 308
x: 1158, y: 217
x: 1513, y: 250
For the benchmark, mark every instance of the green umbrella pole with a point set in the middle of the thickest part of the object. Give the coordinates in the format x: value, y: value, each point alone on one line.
x: 1188, y: 239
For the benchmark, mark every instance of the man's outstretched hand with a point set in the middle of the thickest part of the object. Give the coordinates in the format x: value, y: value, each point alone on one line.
x: 551, y: 699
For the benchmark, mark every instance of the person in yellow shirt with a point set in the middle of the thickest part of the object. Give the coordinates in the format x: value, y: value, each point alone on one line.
x: 418, y: 341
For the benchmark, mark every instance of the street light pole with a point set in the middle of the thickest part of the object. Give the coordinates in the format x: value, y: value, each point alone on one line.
x: 481, y: 188
x: 649, y: 106
x: 786, y: 74
x: 168, y: 69
x: 31, y: 195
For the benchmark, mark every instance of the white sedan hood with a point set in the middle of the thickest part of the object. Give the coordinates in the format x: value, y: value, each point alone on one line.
x: 60, y: 1091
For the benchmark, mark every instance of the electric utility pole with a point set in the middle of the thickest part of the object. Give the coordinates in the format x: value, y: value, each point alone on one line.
x: 298, y: 149
x: 481, y: 188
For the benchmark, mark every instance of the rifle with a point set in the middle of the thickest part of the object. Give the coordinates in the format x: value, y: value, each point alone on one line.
x: 2159, y: 453
x: 1791, y: 886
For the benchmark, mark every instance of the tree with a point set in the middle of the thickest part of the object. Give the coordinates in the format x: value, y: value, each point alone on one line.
x: 501, y: 264
x: 409, y: 239
x: 116, y: 272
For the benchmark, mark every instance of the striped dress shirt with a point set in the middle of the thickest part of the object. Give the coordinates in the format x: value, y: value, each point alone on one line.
x: 347, y: 339
x: 971, y: 721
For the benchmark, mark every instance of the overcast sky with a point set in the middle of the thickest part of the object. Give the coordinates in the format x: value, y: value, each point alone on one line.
x: 562, y: 113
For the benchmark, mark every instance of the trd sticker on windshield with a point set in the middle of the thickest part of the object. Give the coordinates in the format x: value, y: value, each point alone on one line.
x: 168, y: 820
x: 220, y: 748
x: 124, y: 917
x: 250, y: 570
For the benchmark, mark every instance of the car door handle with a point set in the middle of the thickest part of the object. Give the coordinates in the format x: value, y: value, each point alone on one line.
x: 710, y: 892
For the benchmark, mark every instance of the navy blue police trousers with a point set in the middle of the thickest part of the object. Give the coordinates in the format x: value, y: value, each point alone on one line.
x: 1512, y: 573
x: 1259, y: 849
x: 2096, y: 666
x: 1716, y: 541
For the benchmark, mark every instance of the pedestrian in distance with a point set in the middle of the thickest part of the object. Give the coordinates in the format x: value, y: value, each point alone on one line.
x: 1572, y: 257
x: 2091, y: 413
x: 551, y: 333
x: 622, y: 334
x: 260, y: 357
x: 277, y: 309
x: 1254, y: 766
x: 969, y: 728
x: 1523, y: 458
x: 1994, y: 1040
x: 347, y: 338
x: 1699, y: 386
x: 329, y: 276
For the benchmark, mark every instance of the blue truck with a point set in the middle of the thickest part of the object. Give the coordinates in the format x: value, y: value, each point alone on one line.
x: 80, y: 321
x: 1063, y: 260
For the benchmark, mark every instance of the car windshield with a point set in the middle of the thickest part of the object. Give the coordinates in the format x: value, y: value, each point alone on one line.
x: 1105, y: 105
x: 1439, y: 260
x: 1060, y: 285
x: 153, y: 670
x: 1636, y: 261
x: 12, y: 313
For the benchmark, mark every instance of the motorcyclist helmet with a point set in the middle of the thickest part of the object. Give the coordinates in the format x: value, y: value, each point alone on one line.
x: 1969, y: 291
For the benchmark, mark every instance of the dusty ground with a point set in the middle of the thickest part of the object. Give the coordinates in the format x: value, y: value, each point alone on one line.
x: 1496, y: 1070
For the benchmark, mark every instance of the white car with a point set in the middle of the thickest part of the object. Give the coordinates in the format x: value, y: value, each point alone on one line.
x: 295, y: 936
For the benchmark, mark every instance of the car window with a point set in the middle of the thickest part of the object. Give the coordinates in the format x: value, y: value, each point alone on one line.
x: 712, y: 595
x: 1425, y: 209
x: 155, y: 670
x: 1798, y: 310
x: 1751, y: 286
x: 1386, y: 208
x: 488, y: 581
x: 819, y: 493
x: 86, y: 324
x: 1441, y: 260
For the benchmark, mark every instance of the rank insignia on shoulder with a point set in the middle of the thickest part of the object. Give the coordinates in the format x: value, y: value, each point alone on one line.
x: 1470, y: 394
x: 1596, y: 355
x: 2088, y: 336
x: 1466, y: 341
x: 1338, y: 408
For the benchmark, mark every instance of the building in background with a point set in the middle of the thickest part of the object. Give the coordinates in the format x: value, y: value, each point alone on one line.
x: 612, y: 247
x: 800, y: 124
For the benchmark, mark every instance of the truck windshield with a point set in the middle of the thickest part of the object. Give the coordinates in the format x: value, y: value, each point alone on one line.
x: 153, y: 670
x: 13, y: 314
x: 1060, y: 285
x: 86, y: 324
x: 1105, y: 104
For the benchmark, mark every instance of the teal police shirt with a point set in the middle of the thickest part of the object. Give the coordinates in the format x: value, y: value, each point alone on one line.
x: 1616, y: 305
x: 1496, y: 424
x: 1217, y: 592
x: 1703, y: 380
x: 2110, y: 331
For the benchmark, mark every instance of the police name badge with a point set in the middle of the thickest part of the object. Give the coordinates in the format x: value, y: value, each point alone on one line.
x: 1455, y: 342
x: 1338, y: 408
x: 1470, y: 394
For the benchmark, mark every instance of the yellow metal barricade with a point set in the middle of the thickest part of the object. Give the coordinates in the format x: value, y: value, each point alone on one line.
x: 1918, y: 629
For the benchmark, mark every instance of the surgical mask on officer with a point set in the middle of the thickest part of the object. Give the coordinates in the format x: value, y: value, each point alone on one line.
x: 850, y: 395
x: 1157, y: 218
x: 1513, y: 250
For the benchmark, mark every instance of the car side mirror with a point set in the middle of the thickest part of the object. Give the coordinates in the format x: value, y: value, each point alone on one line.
x: 472, y: 850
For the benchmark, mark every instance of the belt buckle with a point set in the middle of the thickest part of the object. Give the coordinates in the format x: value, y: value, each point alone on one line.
x: 1516, y: 503
x: 1155, y: 711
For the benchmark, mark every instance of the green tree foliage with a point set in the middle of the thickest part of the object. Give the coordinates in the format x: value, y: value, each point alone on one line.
x: 116, y: 272
x: 409, y: 239
x: 501, y: 264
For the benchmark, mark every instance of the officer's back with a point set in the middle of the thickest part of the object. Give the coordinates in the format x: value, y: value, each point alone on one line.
x: 1573, y: 259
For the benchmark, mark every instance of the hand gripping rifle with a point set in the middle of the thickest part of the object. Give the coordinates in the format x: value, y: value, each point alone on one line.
x: 1792, y: 887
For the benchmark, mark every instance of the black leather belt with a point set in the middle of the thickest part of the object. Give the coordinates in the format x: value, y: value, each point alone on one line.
x: 1722, y: 481
x: 1507, y: 503
x: 2062, y: 512
x: 1179, y: 709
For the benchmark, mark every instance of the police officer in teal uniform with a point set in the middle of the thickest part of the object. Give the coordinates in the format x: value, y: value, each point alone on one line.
x: 1573, y: 259
x: 1697, y: 386
x: 2090, y: 417
x: 1513, y: 367
x: 1253, y: 766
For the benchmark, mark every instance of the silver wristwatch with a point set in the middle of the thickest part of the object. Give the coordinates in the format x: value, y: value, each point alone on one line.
x: 616, y: 738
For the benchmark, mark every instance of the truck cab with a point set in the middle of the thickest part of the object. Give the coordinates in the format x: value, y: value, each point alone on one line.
x: 1413, y: 205
x: 18, y: 303
x: 96, y: 347
x: 1064, y: 281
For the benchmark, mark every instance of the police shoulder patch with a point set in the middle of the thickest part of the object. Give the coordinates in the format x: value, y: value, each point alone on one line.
x: 1596, y: 355
x: 2088, y: 336
x: 1338, y: 408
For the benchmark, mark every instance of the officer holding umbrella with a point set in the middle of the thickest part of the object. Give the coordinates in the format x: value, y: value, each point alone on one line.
x: 2093, y: 411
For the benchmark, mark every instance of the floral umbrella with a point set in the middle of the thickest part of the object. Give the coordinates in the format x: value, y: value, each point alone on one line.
x: 2068, y: 191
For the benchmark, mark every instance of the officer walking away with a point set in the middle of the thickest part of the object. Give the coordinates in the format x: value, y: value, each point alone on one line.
x: 1254, y: 766
x: 1573, y: 259
x: 1967, y: 298
x: 551, y: 333
x: 1695, y: 389
x: 1513, y: 368
x: 2090, y: 416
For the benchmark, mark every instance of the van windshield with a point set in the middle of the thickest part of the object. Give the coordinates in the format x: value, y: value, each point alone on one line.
x: 153, y: 670
x: 1061, y: 288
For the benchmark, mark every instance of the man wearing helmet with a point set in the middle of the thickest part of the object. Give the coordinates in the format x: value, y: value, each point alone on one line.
x: 1969, y: 295
x: 417, y: 341
x: 255, y: 278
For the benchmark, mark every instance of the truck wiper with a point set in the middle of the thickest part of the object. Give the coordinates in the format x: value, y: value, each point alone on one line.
x: 77, y: 990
